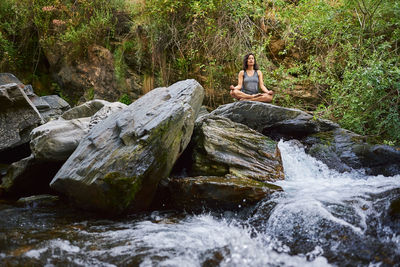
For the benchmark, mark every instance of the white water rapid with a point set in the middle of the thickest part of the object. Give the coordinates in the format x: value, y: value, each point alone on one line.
x: 323, y: 218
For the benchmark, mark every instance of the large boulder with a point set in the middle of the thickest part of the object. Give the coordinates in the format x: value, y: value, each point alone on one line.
x: 51, y: 145
x: 119, y: 164
x: 276, y: 122
x: 18, y: 116
x: 338, y: 148
x: 57, y: 139
x: 224, y: 147
x: 214, y: 192
x: 229, y: 166
x: 344, y: 150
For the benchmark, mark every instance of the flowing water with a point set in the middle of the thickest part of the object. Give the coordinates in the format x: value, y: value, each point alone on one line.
x: 323, y: 218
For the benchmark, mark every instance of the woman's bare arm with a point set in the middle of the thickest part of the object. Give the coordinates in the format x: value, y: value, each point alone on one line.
x: 240, y: 81
x: 261, y: 83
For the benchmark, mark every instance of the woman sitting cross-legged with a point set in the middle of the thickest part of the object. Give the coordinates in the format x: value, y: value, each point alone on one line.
x: 249, y: 80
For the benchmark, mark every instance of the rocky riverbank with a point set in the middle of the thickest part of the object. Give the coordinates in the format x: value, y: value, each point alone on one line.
x: 164, y: 150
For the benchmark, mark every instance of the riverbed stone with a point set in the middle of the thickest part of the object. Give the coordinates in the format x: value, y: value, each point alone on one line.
x: 34, y: 201
x: 224, y: 147
x: 118, y: 165
x: 215, y: 192
x: 18, y: 116
x: 274, y: 121
x: 344, y: 150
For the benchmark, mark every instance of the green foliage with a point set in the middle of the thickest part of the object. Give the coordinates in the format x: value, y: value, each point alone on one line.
x: 28, y: 26
x: 205, y: 40
x: 347, y: 50
x: 125, y: 99
x: 89, y: 94
x: 350, y: 48
x: 367, y: 100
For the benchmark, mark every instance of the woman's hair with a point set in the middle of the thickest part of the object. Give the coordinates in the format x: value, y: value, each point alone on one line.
x: 246, y: 57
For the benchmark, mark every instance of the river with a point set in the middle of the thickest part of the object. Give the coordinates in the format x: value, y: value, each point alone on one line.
x: 323, y: 218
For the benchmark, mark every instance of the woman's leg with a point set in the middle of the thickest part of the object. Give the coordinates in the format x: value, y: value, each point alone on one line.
x: 239, y: 95
x: 264, y: 97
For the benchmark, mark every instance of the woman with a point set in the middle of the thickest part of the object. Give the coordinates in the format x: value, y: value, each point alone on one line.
x: 249, y: 81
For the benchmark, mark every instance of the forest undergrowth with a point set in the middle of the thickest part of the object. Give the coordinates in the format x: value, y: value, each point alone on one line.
x: 336, y: 59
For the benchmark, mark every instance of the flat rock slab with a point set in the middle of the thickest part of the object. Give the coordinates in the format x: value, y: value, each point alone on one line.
x: 118, y: 165
x: 56, y: 106
x: 274, y: 121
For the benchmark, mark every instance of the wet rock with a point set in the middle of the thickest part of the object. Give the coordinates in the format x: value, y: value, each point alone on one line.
x: 118, y: 165
x: 198, y: 193
x: 27, y: 177
x: 224, y: 147
x: 39, y: 201
x: 394, y: 209
x: 343, y: 150
x: 18, y: 116
x: 276, y: 122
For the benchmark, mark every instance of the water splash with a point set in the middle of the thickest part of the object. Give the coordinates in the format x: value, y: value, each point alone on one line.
x: 193, y: 241
x: 323, y: 217
x: 345, y: 214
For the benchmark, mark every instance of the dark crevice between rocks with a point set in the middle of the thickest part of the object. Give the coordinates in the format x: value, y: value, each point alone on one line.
x: 278, y: 132
x: 183, y: 165
x: 14, y: 154
x: 34, y: 180
x: 182, y: 168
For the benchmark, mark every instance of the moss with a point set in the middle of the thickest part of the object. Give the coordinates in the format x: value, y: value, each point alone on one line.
x: 121, y: 190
